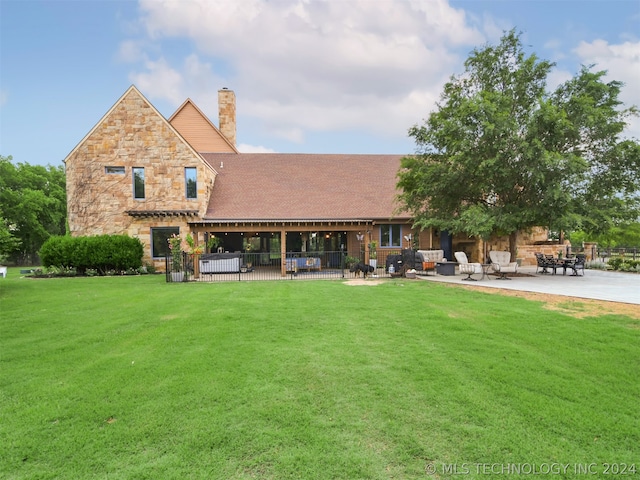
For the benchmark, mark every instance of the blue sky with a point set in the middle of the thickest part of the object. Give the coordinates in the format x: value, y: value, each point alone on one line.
x: 312, y: 76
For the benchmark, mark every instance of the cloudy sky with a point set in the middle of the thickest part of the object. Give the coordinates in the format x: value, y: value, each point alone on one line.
x: 312, y: 76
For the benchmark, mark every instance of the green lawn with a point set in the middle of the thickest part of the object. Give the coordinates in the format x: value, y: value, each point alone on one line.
x: 130, y: 377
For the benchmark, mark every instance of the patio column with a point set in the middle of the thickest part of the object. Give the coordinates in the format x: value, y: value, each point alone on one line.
x: 367, y: 242
x: 196, y: 258
x: 283, y: 253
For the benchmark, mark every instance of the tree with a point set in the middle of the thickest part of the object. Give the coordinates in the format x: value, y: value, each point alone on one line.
x: 33, y: 204
x: 8, y: 242
x: 501, y: 155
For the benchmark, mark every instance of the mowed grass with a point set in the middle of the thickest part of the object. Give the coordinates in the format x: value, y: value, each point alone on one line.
x: 134, y: 378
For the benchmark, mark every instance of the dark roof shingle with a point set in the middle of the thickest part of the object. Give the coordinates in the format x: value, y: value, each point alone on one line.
x: 270, y: 186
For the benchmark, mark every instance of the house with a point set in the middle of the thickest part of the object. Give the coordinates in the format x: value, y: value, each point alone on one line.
x: 140, y: 174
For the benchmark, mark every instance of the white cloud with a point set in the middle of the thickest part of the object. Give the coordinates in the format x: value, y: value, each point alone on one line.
x: 246, y: 148
x: 557, y: 77
x: 622, y: 63
x: 160, y: 81
x: 299, y: 65
x: 130, y: 51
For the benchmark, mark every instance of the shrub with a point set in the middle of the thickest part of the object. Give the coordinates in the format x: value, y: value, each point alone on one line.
x: 350, y: 261
x: 624, y: 265
x: 57, y: 251
x: 596, y: 265
x: 630, y: 266
x: 615, y: 262
x: 102, y: 253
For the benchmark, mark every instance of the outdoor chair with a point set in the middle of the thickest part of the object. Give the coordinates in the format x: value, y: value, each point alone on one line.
x: 576, y: 264
x: 466, y: 267
x: 501, y: 264
x: 545, y: 263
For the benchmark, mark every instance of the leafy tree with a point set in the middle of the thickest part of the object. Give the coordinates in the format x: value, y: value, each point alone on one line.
x: 8, y: 243
x: 625, y: 235
x: 33, y: 203
x: 502, y: 155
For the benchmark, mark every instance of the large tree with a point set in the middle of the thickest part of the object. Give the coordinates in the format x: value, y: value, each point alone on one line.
x: 501, y: 154
x: 33, y: 205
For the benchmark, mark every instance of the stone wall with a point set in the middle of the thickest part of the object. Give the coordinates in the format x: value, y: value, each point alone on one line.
x: 227, y: 114
x: 132, y: 134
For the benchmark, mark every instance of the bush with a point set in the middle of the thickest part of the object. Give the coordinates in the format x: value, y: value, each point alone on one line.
x: 101, y: 254
x: 596, y: 265
x: 624, y: 265
x: 350, y: 261
x: 615, y: 262
x: 630, y: 266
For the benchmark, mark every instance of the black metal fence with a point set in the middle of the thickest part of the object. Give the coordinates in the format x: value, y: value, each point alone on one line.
x: 238, y: 266
x: 632, y: 253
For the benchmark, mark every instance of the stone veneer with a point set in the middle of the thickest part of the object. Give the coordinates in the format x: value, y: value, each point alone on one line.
x: 132, y: 134
x: 227, y: 114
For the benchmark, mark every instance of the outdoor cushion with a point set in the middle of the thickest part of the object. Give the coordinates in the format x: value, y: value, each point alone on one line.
x: 465, y: 267
x: 501, y: 263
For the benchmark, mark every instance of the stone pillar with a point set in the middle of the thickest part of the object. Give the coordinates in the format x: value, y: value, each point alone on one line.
x: 590, y: 250
x: 227, y: 114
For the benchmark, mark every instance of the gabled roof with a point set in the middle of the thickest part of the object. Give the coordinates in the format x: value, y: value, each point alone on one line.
x: 133, y: 91
x: 198, y: 130
x: 276, y: 186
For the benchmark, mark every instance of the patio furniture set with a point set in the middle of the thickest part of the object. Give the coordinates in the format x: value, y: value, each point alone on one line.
x: 501, y: 264
x: 549, y: 263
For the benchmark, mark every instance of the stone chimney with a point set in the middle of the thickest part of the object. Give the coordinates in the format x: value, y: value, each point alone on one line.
x: 227, y: 114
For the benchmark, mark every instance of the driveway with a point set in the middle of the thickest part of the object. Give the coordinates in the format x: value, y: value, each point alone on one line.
x: 595, y: 284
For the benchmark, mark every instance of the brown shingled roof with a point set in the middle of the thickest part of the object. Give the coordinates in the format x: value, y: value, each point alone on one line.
x: 276, y: 186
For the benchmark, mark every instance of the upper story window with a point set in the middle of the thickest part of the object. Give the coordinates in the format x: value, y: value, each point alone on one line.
x: 112, y: 169
x: 191, y: 182
x: 138, y: 182
x: 390, y: 235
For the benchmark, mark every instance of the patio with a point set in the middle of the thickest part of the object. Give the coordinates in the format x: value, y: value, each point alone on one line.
x: 595, y: 284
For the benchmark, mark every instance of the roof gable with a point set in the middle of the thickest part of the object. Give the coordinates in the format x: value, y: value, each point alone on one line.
x: 198, y: 130
x: 133, y: 97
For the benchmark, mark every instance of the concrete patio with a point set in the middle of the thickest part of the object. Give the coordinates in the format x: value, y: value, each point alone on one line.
x: 595, y: 284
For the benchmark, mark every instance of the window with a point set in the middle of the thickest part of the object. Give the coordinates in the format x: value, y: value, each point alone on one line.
x: 114, y: 170
x: 390, y: 235
x: 160, y: 240
x: 191, y: 182
x: 138, y: 182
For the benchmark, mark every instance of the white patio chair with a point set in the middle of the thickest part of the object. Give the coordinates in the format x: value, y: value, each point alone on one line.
x: 465, y: 267
x: 501, y: 263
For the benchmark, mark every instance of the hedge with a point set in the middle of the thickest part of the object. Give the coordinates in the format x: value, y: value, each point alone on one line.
x: 103, y: 253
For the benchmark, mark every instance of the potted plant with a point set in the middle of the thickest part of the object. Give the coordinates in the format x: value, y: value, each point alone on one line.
x: 193, y: 249
x: 175, y: 246
x: 373, y: 254
x: 213, y: 243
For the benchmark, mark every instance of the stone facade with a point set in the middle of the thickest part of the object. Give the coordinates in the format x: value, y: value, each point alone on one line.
x: 527, y: 246
x: 227, y: 114
x: 99, y: 173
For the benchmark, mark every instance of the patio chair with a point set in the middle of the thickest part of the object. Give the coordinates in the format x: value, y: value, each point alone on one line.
x: 576, y: 264
x: 466, y: 267
x: 544, y: 263
x: 501, y: 263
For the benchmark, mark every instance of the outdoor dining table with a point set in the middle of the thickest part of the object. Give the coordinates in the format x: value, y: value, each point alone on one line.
x: 565, y: 263
x: 485, y: 270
